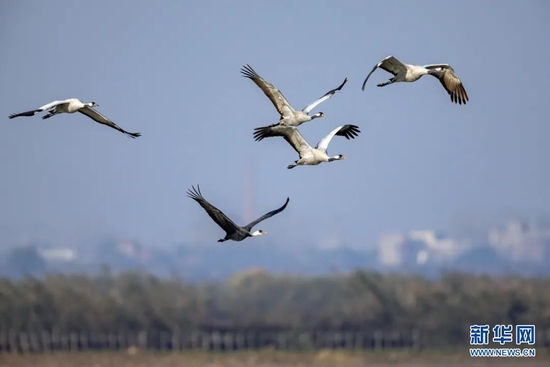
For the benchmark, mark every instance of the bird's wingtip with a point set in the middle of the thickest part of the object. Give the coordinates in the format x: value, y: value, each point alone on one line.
x: 132, y: 135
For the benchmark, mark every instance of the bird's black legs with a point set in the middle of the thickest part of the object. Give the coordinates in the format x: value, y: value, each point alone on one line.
x: 221, y: 240
x: 386, y: 83
x: 290, y: 166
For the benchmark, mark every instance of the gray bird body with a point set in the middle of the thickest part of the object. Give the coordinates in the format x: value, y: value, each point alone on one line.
x: 410, y: 73
x: 232, y: 231
x: 288, y: 115
x: 73, y: 105
x: 308, y: 156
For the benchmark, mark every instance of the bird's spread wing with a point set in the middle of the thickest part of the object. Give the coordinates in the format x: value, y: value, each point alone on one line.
x: 250, y: 225
x: 275, y: 96
x: 53, y: 104
x: 311, y: 106
x: 98, y: 117
x: 450, y: 81
x: 347, y: 131
x: 290, y: 133
x: 39, y: 109
x: 216, y: 214
x: 390, y: 64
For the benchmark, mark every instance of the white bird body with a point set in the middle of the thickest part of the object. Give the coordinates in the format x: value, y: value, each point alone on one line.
x: 414, y: 72
x: 73, y: 105
x: 288, y: 115
x: 308, y: 156
x: 410, y: 73
x: 70, y: 105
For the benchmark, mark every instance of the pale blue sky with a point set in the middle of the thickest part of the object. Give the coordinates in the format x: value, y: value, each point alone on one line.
x: 170, y: 70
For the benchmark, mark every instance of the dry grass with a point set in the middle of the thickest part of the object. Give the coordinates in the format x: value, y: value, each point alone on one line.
x: 266, y: 358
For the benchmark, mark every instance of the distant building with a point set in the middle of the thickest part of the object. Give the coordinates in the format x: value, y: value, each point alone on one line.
x: 418, y: 247
x: 133, y: 250
x: 58, y: 254
x: 390, y: 249
x: 517, y: 241
x: 521, y: 241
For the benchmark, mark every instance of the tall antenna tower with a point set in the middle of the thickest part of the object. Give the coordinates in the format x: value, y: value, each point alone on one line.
x: 249, y: 192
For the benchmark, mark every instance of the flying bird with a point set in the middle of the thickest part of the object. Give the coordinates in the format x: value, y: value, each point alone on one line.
x: 73, y: 105
x: 410, y: 73
x: 308, y: 155
x: 232, y: 231
x: 288, y: 115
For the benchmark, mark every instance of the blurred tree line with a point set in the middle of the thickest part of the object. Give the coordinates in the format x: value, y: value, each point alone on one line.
x: 254, y: 299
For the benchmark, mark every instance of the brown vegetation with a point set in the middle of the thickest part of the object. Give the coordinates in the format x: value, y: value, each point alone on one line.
x: 443, y: 309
